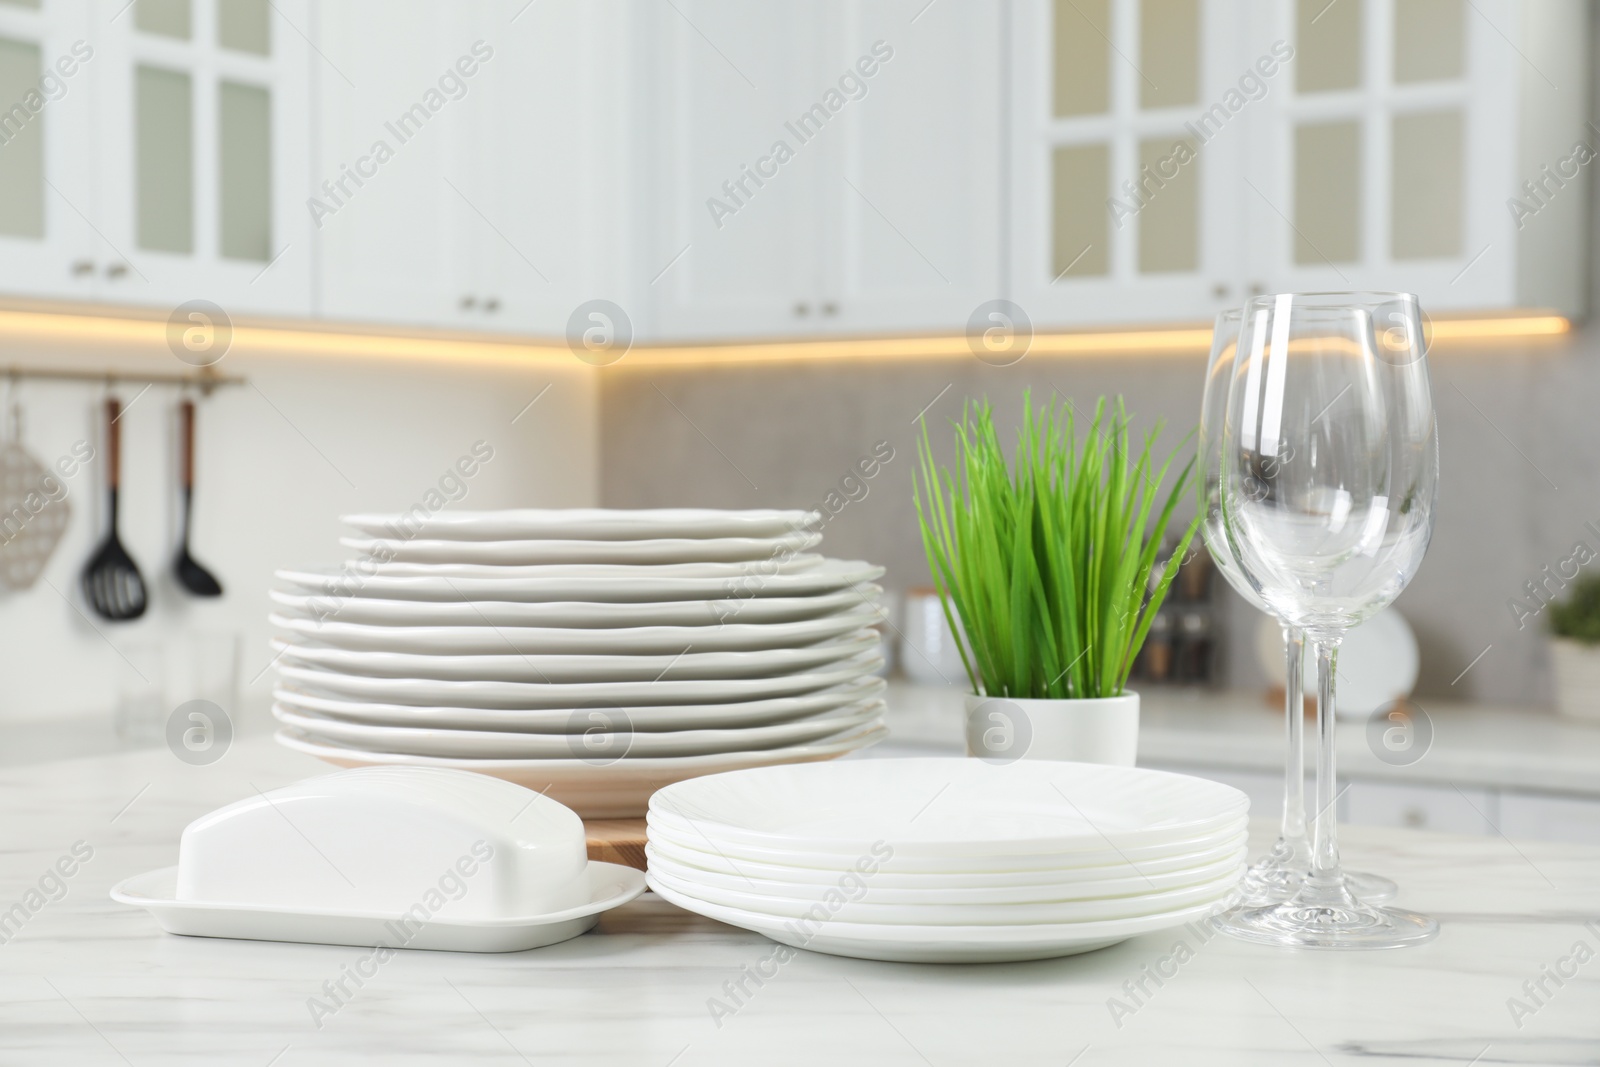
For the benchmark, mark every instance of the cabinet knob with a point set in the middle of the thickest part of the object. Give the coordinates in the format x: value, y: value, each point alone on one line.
x: 116, y: 270
x: 80, y: 267
x: 802, y: 309
x: 492, y: 304
x: 1257, y: 289
x: 830, y: 308
x: 468, y: 303
x: 1220, y: 291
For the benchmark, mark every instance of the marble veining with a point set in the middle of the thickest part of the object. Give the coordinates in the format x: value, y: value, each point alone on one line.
x: 87, y: 981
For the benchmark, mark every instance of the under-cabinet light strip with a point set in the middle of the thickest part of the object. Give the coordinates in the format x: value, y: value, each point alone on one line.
x: 255, y: 339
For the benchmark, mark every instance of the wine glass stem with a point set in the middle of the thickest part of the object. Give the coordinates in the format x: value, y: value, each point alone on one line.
x: 1325, y: 823
x: 1294, y: 713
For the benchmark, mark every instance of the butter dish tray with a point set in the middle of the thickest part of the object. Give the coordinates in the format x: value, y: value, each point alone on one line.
x: 611, y: 886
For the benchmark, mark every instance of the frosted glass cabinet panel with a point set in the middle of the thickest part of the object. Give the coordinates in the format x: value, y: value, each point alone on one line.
x: 22, y: 157
x: 1410, y: 176
x: 203, y: 149
x: 46, y: 179
x: 1114, y: 188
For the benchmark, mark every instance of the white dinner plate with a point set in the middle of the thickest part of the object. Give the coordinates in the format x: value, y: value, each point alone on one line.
x: 686, y: 664
x: 944, y: 944
x: 575, y: 613
x: 807, y: 575
x: 892, y: 875
x: 644, y: 718
x: 952, y: 807
x: 584, y: 641
x: 1120, y: 881
x: 866, y: 908
x: 593, y: 524
x: 612, y: 885
x: 485, y: 694
x: 619, y: 789
x: 600, y: 733
x: 542, y: 553
x: 696, y: 843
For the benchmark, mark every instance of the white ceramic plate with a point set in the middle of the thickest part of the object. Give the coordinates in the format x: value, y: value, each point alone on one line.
x: 586, y: 641
x: 868, y: 909
x: 685, y: 664
x: 748, y: 611
x: 807, y: 575
x: 602, y: 736
x: 1119, y: 882
x: 892, y: 875
x: 952, y: 807
x: 615, y: 790
x: 944, y: 944
x: 524, y: 695
x: 645, y: 718
x: 597, y: 524
x: 612, y: 885
x: 541, y: 553
x: 697, y: 844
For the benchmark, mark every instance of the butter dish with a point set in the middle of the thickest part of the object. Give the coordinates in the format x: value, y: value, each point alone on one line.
x: 408, y: 857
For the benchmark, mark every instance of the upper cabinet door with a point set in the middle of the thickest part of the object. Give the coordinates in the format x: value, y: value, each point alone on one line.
x: 545, y: 192
x: 738, y: 118
x: 1394, y: 155
x: 1122, y: 209
x: 913, y: 177
x: 1380, y: 161
x: 199, y: 150
x: 47, y: 243
x: 393, y: 130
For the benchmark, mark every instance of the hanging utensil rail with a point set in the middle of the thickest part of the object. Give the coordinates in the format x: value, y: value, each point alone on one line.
x: 204, y: 378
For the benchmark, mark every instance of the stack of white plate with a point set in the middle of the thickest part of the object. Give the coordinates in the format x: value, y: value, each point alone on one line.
x: 593, y: 654
x: 949, y: 860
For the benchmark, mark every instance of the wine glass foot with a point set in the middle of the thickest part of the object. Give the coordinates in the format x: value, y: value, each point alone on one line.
x: 1268, y: 882
x: 1318, y: 920
x: 1370, y: 888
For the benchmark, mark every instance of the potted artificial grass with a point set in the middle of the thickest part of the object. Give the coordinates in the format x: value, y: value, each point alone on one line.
x: 1575, y: 650
x: 1047, y: 562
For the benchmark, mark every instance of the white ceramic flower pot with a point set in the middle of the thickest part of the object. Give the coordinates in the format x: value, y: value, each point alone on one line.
x: 1104, y: 730
x: 1577, y: 676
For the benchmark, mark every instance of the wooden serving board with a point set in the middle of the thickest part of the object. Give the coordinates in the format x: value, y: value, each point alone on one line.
x: 616, y: 841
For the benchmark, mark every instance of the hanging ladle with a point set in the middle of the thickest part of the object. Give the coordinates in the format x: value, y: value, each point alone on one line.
x: 193, y: 577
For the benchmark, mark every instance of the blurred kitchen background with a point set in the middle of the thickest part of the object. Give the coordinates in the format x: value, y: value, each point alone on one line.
x: 716, y: 253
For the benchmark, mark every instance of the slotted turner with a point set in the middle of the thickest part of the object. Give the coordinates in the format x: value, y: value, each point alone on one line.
x: 111, y: 581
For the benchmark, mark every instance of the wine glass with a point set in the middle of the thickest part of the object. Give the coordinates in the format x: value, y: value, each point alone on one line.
x: 1278, y: 874
x: 1329, y: 471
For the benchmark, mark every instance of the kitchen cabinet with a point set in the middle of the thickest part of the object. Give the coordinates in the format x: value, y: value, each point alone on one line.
x: 1448, y: 809
x: 390, y: 227
x: 1395, y: 152
x: 1528, y: 816
x: 153, y: 151
x: 47, y: 242
x: 1171, y: 157
x: 200, y: 152
x: 477, y: 181
x: 822, y: 168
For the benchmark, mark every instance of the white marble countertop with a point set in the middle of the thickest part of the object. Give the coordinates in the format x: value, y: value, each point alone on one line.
x: 87, y: 981
x: 1506, y: 748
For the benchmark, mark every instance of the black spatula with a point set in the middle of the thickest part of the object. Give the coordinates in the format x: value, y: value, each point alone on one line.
x: 111, y: 581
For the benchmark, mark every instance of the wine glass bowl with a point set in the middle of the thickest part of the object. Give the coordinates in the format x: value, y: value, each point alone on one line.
x: 1332, y: 454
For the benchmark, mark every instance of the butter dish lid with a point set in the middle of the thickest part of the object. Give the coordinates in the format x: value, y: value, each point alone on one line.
x: 390, y: 840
